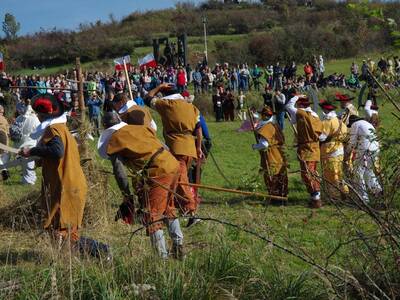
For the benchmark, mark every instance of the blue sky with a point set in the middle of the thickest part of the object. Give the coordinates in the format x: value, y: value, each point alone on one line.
x: 68, y: 14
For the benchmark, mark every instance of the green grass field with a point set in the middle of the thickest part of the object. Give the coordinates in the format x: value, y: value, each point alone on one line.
x: 222, y: 262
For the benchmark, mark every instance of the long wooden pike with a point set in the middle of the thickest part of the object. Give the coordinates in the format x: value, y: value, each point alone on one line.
x: 216, y: 188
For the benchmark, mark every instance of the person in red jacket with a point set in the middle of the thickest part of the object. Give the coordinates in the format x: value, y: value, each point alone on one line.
x: 308, y: 71
x: 180, y: 80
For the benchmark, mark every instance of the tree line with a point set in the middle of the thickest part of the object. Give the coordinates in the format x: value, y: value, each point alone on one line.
x: 284, y: 29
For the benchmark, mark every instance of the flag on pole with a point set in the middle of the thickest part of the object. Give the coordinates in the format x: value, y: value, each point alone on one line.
x: 1, y: 62
x: 147, y: 61
x: 119, y: 63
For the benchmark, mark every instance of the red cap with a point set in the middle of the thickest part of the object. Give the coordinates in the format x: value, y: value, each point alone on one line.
x: 324, y: 104
x: 185, y: 94
x: 343, y: 98
x: 43, y: 105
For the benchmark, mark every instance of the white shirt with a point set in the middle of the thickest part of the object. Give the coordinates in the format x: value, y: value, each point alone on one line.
x: 362, y: 138
x: 30, y: 123
x: 368, y: 111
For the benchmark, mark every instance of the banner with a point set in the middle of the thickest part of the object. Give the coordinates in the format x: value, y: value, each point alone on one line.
x: 119, y: 63
x: 148, y: 61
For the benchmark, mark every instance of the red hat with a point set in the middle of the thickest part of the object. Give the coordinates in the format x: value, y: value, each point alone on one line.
x: 343, y: 98
x: 47, y: 104
x: 185, y: 94
x: 325, y: 104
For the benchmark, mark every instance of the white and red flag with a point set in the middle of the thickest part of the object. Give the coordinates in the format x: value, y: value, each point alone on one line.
x: 147, y: 61
x: 119, y: 63
x: 1, y: 62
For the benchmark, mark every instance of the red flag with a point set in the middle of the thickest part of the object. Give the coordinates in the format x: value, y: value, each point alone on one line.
x: 147, y: 61
x: 119, y: 63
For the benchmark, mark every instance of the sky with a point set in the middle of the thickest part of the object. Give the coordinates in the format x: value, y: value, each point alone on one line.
x: 68, y: 14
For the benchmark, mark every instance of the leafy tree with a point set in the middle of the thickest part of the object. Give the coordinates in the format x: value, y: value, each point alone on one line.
x: 10, y: 26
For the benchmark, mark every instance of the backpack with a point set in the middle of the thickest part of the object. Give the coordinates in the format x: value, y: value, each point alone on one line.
x: 16, y: 130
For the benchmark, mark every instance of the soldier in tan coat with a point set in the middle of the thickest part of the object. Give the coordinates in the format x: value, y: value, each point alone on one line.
x: 181, y: 126
x: 154, y: 171
x: 334, y: 132
x: 309, y: 128
x: 272, y: 142
x: 64, y: 185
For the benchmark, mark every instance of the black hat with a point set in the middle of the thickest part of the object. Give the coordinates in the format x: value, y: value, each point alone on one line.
x: 353, y: 119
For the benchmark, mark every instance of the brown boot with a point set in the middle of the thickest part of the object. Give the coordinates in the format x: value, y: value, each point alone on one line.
x: 315, y: 204
x: 178, y: 252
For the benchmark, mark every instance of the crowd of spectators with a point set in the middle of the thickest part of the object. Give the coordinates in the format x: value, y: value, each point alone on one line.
x: 227, y: 83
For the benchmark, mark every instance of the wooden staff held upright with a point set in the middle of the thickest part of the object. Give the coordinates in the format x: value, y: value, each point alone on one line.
x: 127, y: 79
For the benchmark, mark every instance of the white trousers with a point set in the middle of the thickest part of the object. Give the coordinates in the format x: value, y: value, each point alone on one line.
x: 4, y: 158
x: 365, y: 177
x: 29, y: 173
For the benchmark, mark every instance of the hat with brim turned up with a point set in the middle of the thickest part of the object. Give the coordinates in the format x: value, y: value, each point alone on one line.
x: 303, y: 101
x: 353, y: 119
x: 266, y: 111
x: 327, y: 105
x: 343, y: 98
x: 47, y: 105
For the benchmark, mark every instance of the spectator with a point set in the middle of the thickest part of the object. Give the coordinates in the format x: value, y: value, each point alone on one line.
x: 277, y: 76
x: 279, y: 101
x: 94, y: 104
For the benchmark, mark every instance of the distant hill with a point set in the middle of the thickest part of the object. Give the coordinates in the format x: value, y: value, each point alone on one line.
x: 253, y: 32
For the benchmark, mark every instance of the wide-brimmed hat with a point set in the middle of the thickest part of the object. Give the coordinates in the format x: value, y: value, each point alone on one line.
x: 304, y: 101
x: 353, y: 119
x: 47, y: 104
x: 328, y: 105
x: 342, y: 97
x: 266, y: 111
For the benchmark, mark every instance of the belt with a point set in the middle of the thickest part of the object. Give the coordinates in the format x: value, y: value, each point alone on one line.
x: 152, y: 158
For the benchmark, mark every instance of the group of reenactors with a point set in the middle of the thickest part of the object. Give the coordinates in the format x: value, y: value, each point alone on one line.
x: 159, y: 171
x: 160, y: 188
x: 343, y: 143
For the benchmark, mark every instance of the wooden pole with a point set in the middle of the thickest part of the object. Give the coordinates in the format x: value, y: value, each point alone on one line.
x: 127, y: 79
x: 219, y: 189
